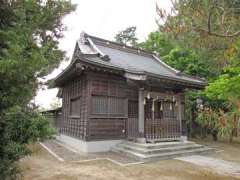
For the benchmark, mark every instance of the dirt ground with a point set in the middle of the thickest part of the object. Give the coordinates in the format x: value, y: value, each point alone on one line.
x: 227, y: 151
x: 43, y: 166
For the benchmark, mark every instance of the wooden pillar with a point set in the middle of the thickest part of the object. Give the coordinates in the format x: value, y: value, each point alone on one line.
x: 179, y: 115
x: 181, y: 110
x: 141, y: 115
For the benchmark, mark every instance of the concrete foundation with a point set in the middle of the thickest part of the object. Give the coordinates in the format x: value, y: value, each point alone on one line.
x: 183, y: 138
x: 88, y: 147
x: 141, y: 140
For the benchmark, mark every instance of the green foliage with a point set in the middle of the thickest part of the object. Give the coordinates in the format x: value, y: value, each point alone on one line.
x: 206, y: 39
x: 209, y: 118
x: 226, y: 87
x: 157, y: 42
x: 219, y: 122
x: 222, y: 97
x: 29, y: 33
x: 31, y: 48
x: 183, y: 59
x: 26, y: 125
x: 127, y: 36
x: 208, y: 27
x: 9, y: 156
x: 21, y: 127
x: 187, y: 61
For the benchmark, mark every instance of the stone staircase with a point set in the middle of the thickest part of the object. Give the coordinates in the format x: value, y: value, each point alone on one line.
x: 158, y: 151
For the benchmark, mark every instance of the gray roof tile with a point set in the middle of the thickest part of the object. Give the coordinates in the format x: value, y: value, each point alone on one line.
x: 129, y: 59
x: 138, y: 62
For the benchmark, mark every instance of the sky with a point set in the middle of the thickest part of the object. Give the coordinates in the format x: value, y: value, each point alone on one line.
x: 102, y: 18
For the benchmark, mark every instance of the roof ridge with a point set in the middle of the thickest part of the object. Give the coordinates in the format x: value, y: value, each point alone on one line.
x: 120, y: 45
x: 95, y: 47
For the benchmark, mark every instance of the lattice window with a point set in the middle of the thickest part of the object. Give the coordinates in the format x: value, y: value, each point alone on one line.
x: 103, y: 105
x: 116, y: 106
x: 99, y: 105
x: 75, y: 106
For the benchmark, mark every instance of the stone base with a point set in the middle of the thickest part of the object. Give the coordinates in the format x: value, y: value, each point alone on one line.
x: 87, y: 146
x: 183, y: 138
x: 146, y: 152
x: 141, y: 140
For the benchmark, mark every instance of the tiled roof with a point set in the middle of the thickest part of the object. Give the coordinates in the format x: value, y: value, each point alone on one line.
x: 104, y: 53
x: 130, y: 59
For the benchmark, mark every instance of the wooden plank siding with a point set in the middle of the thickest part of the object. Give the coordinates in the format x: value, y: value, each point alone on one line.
x: 107, y: 106
x: 102, y: 106
x: 74, y: 125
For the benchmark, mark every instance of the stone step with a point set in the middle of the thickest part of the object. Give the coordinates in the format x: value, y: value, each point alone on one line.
x: 160, y: 156
x: 158, y: 145
x: 171, y: 155
x: 144, y: 150
x: 163, y: 150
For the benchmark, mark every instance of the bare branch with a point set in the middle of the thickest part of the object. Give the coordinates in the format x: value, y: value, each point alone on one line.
x: 218, y: 34
x: 209, y: 30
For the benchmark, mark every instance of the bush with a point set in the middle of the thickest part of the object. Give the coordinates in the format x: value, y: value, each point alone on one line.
x: 26, y: 125
x: 19, y: 127
x: 218, y: 122
x: 10, y: 154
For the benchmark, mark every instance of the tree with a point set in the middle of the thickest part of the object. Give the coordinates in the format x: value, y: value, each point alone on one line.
x: 186, y: 60
x: 210, y: 17
x: 159, y: 43
x: 208, y: 26
x: 127, y: 36
x: 183, y: 59
x: 226, y: 89
x: 29, y: 49
x: 206, y: 34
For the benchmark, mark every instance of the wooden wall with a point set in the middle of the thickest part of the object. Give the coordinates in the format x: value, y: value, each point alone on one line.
x: 101, y: 106
x: 107, y: 106
x: 74, y: 124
